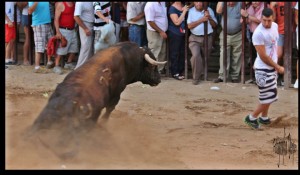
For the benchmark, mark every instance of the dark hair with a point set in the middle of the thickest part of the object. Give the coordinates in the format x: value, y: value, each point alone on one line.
x: 267, y: 12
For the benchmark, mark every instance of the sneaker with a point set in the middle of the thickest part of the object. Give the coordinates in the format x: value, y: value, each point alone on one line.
x: 57, y: 70
x: 218, y: 80
x: 69, y: 66
x: 9, y: 62
x: 296, y: 84
x: 50, y: 65
x: 39, y: 70
x: 253, y: 124
x: 264, y: 122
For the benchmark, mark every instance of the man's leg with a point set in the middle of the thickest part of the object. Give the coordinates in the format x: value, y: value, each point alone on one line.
x: 196, y: 60
x: 155, y: 44
x: 236, y: 56
x: 38, y: 57
x: 261, y: 108
x: 87, y: 47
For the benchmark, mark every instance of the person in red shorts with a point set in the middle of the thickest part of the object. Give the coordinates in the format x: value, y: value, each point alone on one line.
x: 10, y: 32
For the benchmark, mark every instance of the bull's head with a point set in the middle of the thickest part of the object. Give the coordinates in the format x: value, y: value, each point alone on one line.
x: 150, y: 74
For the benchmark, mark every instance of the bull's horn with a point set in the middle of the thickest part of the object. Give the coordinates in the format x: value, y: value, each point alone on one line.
x: 153, y: 62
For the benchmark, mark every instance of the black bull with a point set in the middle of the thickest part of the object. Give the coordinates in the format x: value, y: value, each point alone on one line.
x: 77, y: 102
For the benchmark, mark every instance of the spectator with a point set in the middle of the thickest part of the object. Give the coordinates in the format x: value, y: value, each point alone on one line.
x: 266, y: 68
x: 196, y: 18
x: 253, y: 16
x: 234, y: 41
x: 124, y: 24
x: 41, y: 25
x: 136, y: 19
x: 25, y: 24
x: 10, y: 32
x: 176, y: 35
x: 278, y: 17
x: 102, y: 17
x: 157, y: 25
x: 297, y: 41
x: 84, y: 17
x: 65, y: 27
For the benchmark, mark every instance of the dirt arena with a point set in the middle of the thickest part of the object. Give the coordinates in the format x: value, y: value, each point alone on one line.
x: 175, y: 125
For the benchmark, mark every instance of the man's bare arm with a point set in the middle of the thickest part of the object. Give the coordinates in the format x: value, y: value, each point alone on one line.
x: 266, y: 59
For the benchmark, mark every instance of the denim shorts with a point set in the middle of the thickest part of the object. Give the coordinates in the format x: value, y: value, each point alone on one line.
x: 24, y: 20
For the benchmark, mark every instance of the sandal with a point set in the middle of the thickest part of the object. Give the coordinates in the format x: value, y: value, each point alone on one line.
x: 177, y: 77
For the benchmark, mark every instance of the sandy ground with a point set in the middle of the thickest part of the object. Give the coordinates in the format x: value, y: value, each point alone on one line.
x: 175, y: 125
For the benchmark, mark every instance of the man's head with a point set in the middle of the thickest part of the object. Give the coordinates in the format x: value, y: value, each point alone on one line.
x: 231, y: 4
x: 255, y: 3
x: 267, y: 17
x: 198, y: 6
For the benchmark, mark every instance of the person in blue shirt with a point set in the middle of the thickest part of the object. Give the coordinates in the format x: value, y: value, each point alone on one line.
x: 41, y: 25
x: 176, y: 33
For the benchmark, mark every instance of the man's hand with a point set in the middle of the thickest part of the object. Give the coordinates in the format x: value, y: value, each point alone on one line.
x: 163, y: 35
x: 10, y: 24
x: 244, y: 13
x: 87, y: 32
x: 280, y: 69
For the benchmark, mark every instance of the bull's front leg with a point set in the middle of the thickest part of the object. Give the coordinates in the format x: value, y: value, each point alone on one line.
x: 110, y: 108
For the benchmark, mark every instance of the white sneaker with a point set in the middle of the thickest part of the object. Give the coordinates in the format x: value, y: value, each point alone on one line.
x: 69, y: 66
x: 50, y: 65
x: 296, y: 84
x: 57, y: 70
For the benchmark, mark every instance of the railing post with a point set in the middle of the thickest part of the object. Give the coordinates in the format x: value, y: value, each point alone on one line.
x: 167, y: 66
x: 243, y: 46
x: 287, y: 58
x: 31, y: 40
x: 205, y: 44
x: 225, y: 42
x: 186, y: 35
x: 17, y: 34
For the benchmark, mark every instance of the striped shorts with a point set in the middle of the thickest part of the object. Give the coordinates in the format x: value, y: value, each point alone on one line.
x: 266, y: 81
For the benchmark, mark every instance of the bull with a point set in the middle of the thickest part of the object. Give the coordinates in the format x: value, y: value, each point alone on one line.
x: 78, y: 100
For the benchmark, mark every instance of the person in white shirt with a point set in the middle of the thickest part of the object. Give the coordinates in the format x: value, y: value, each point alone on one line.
x: 84, y: 17
x: 265, y: 39
x: 196, y: 18
x: 136, y: 19
x: 157, y: 25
